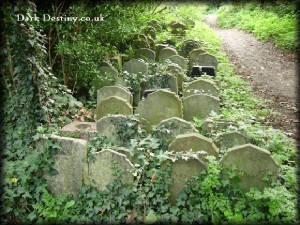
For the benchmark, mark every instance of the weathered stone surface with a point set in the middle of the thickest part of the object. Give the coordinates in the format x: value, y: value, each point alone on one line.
x: 145, y: 53
x: 109, y: 91
x: 181, y: 171
x: 136, y: 66
x: 188, y: 46
x: 201, y: 86
x: 172, y: 83
x: 158, y: 48
x: 254, y: 162
x: 108, y: 127
x: 166, y: 53
x: 86, y: 130
x: 151, y: 43
x: 107, y: 68
x: 140, y: 43
x: 179, y: 60
x: 113, y: 105
x: 211, y: 126
x: 194, y: 56
x: 158, y: 106
x: 196, y: 142
x: 174, y: 126
x: 178, y: 27
x: 204, y: 59
x: 156, y: 25
x: 69, y: 165
x: 178, y: 72
x: 232, y: 139
x: 101, y: 172
x: 200, y: 105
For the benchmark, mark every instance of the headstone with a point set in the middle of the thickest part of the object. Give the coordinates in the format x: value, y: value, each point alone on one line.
x: 199, y: 105
x: 156, y: 25
x: 136, y: 66
x: 204, y: 59
x: 232, y: 139
x: 108, y: 126
x: 201, y: 86
x: 145, y: 53
x: 101, y: 172
x: 196, y: 142
x: 194, y: 55
x: 181, y: 171
x: 69, y: 165
x: 179, y: 60
x: 107, y: 68
x: 113, y: 105
x: 166, y: 53
x: 140, y: 43
x: 158, y: 106
x: 174, y: 126
x: 178, y: 28
x: 254, y: 162
x: 188, y: 46
x: 85, y: 130
x: 109, y: 91
x: 178, y: 72
x: 158, y: 48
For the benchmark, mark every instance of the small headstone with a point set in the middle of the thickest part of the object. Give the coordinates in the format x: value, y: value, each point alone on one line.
x: 113, y: 105
x: 108, y: 126
x: 108, y: 69
x: 204, y: 59
x: 109, y: 91
x: 201, y: 86
x: 101, y: 172
x: 178, y: 28
x: 174, y: 126
x: 140, y: 43
x: 188, y: 46
x: 181, y: 171
x: 158, y: 48
x: 232, y: 139
x: 193, y: 56
x: 145, y: 53
x: 199, y: 105
x: 196, y: 142
x: 136, y: 66
x: 85, y: 130
x: 178, y: 72
x: 69, y: 165
x: 255, y: 162
x: 158, y: 106
x: 156, y: 25
x: 166, y: 53
x: 179, y: 60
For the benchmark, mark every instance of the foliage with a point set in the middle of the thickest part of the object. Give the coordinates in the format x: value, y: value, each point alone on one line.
x: 276, y: 22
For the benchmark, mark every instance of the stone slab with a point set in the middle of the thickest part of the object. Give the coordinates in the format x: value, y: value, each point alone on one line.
x: 136, y: 66
x: 166, y: 53
x: 199, y: 105
x: 255, y: 162
x: 158, y: 106
x: 201, y: 86
x: 232, y: 139
x: 101, y: 172
x: 86, y: 130
x: 113, y: 105
x: 145, y: 53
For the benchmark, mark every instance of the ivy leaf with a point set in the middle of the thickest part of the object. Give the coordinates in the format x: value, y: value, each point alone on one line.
x: 53, y: 172
x: 69, y: 204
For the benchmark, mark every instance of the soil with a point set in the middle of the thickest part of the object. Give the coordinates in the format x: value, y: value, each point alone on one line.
x: 271, y: 72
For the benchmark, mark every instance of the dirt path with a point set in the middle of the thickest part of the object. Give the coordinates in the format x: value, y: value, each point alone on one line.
x: 271, y: 72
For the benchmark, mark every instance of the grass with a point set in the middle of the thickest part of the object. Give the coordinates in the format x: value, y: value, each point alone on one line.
x: 267, y: 22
